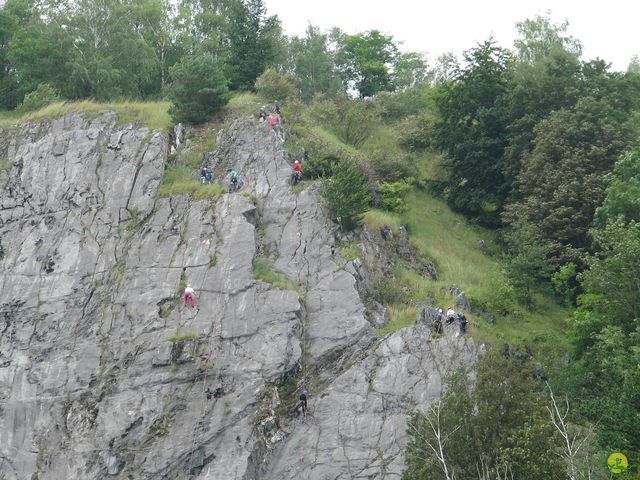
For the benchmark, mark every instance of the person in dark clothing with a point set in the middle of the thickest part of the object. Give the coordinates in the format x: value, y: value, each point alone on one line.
x: 437, y: 325
x: 302, y: 406
x: 463, y: 322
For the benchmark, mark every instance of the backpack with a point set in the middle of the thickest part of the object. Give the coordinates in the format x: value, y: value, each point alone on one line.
x: 234, y: 175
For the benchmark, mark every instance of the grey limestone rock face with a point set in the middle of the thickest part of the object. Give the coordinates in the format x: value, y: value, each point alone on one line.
x: 104, y: 373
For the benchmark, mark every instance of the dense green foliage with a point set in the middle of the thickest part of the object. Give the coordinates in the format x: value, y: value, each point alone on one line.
x: 500, y: 425
x: 198, y: 89
x: 562, y: 178
x: 605, y: 377
x: 472, y: 132
x: 623, y: 191
x: 42, y: 96
x: 276, y: 86
x: 366, y: 60
x: 346, y: 194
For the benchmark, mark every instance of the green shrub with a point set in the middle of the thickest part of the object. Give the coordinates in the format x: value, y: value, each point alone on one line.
x: 416, y: 132
x: 42, y: 96
x: 352, y: 121
x: 497, y: 297
x: 412, y: 101
x: 393, y: 196
x: 198, y: 89
x: 565, y: 283
x: 275, y: 86
x: 389, y: 291
x: 392, y: 167
x: 320, y: 164
x: 347, y: 194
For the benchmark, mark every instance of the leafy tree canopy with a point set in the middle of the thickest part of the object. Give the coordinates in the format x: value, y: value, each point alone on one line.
x: 366, y: 59
x: 472, y: 132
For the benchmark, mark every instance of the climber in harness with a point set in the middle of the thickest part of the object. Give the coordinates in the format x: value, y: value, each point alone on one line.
x: 277, y: 108
x: 189, y: 296
x: 203, y: 175
x: 273, y: 120
x: 297, y: 172
x: 262, y: 116
x: 437, y: 321
x: 451, y: 316
x: 463, y: 322
x: 302, y: 406
x: 234, y: 181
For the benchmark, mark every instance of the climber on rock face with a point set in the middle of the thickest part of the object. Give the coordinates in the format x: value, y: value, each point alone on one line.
x: 463, y: 322
x: 302, y: 406
x: 297, y: 173
x: 451, y: 315
x: 190, y: 296
x: 273, y: 120
x: 233, y: 176
x: 262, y: 116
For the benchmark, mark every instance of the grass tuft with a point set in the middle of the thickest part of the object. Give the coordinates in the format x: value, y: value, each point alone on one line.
x: 246, y: 104
x: 375, y: 219
x: 349, y: 251
x: 263, y: 270
x: 151, y: 114
x: 182, y: 336
x: 399, y: 317
x: 179, y: 181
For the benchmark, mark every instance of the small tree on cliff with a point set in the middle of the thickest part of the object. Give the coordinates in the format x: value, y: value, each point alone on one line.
x: 347, y: 194
x: 198, y: 89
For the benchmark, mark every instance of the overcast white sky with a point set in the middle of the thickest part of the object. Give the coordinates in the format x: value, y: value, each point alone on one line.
x: 607, y: 29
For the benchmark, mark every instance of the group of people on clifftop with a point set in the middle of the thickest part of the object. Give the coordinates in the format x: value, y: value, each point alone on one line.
x: 450, y: 318
x: 273, y: 119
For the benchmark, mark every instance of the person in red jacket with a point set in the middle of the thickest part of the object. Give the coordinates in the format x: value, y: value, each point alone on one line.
x: 297, y: 172
x: 273, y: 120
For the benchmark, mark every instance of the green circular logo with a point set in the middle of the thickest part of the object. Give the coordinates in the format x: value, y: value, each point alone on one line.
x: 617, y: 463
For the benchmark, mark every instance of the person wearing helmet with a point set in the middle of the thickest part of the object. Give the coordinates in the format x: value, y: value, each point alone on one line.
x: 297, y: 172
x: 262, y: 116
x: 233, y: 176
x: 189, y: 296
x: 303, y: 402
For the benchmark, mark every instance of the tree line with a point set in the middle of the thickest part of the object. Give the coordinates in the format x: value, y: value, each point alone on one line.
x: 110, y: 49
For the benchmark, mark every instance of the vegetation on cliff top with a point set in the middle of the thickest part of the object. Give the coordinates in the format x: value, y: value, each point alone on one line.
x: 533, y: 150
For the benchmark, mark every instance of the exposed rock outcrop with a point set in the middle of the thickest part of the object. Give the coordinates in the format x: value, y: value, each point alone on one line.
x: 104, y: 374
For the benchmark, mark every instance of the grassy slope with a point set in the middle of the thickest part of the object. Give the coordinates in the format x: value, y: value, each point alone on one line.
x: 451, y: 242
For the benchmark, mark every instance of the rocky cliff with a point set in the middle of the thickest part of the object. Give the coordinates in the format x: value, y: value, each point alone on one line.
x: 104, y: 374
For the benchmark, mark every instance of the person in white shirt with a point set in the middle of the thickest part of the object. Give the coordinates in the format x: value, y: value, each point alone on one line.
x: 190, y: 295
x: 451, y: 315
